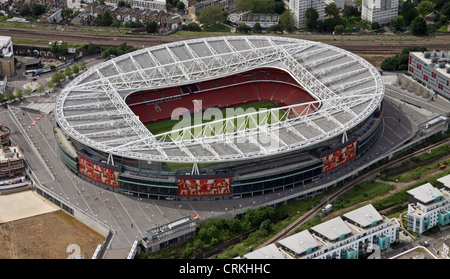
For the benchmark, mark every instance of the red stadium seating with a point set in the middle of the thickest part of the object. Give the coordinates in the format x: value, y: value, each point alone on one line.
x: 264, y: 84
x: 213, y: 99
x: 282, y: 91
x: 159, y: 111
x: 174, y: 91
x: 266, y: 90
x: 248, y: 92
x: 210, y: 84
x: 231, y: 96
x: 175, y: 104
x: 142, y: 112
x: 188, y: 99
x: 244, y: 78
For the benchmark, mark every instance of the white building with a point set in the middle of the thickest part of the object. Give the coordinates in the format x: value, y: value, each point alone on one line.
x: 342, y: 238
x: 152, y: 5
x: 446, y: 249
x: 428, y: 207
x: 381, y: 11
x: 299, y: 8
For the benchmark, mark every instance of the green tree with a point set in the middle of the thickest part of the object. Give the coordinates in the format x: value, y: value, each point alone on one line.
x: 350, y: 11
x: 191, y: 27
x: 152, y: 27
x: 243, y: 28
x: 425, y: 7
x: 257, y: 28
x: 275, y: 28
x: 446, y: 9
x: 10, y: 95
x: 28, y: 91
x: 82, y: 66
x: 287, y: 21
x: 66, y: 13
x: 364, y: 25
x: 40, y: 89
x: 2, y: 99
x: 332, y: 10
x: 266, y: 225
x: 397, y: 24
x: 19, y: 94
x: 419, y: 26
x: 339, y: 30
x: 375, y: 26
x: 63, y: 48
x: 257, y: 6
x: 409, y: 12
x: 105, y: 19
x: 443, y: 19
x: 68, y: 72
x: 24, y: 10
x: 75, y: 69
x: 311, y: 18
x: 37, y: 10
x: 279, y: 8
x: 211, y: 15
x: 180, y: 6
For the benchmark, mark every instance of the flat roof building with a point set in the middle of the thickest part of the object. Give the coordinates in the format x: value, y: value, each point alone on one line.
x: 299, y: 8
x: 381, y: 11
x: 428, y: 207
x: 7, y: 68
x: 432, y: 69
x: 343, y: 237
x: 270, y: 251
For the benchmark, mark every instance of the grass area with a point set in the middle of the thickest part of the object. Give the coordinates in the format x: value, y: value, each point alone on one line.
x: 360, y: 193
x: 422, y: 171
x: 414, y: 174
x: 210, y: 115
x: 217, y: 28
x: 402, y: 195
x: 443, y: 28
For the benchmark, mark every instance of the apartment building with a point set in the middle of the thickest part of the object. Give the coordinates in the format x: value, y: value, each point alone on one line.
x: 152, y: 5
x: 381, y: 11
x: 299, y: 8
x: 429, y: 206
x: 345, y: 237
x: 432, y: 69
x: 7, y: 68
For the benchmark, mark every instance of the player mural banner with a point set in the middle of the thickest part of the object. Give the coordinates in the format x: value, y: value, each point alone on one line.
x: 198, y: 186
x: 99, y: 172
x: 339, y: 156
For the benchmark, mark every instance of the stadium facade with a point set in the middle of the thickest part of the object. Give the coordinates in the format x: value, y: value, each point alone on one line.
x: 327, y: 104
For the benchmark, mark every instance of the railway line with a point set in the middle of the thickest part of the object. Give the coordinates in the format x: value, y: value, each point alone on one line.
x: 359, y: 44
x: 365, y: 177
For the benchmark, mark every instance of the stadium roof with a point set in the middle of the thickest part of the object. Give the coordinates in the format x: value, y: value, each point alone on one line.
x: 92, y: 110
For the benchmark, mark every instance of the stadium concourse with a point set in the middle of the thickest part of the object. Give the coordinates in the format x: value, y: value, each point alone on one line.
x: 97, y: 130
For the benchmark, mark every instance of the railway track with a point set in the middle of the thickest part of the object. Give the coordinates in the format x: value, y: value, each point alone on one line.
x: 376, y: 45
x: 365, y: 177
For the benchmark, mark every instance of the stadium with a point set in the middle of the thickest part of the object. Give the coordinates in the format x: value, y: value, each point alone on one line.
x: 219, y: 117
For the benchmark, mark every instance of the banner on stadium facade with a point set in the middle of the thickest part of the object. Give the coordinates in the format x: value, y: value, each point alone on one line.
x: 99, y: 172
x: 203, y: 186
x: 339, y: 156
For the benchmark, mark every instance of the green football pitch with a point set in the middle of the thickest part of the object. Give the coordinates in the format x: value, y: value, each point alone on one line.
x: 240, y: 122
